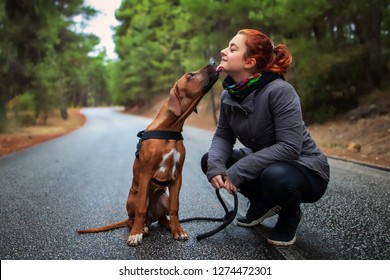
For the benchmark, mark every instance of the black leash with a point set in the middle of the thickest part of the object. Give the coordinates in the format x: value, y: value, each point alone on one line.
x: 226, y: 220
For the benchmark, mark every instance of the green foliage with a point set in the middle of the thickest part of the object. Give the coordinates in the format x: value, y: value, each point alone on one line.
x: 97, y: 81
x: 42, y: 54
x: 23, y: 102
x: 157, y: 41
x: 23, y: 107
x: 147, y: 52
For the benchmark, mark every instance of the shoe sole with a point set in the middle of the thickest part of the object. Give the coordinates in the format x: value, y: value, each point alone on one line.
x: 286, y: 243
x: 270, y: 213
x: 282, y: 243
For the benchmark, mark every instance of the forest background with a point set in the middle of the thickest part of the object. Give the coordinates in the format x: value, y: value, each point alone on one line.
x: 341, y: 51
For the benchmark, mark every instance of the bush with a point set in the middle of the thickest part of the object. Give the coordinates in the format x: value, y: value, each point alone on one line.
x: 20, y: 103
x: 26, y: 119
x: 23, y: 106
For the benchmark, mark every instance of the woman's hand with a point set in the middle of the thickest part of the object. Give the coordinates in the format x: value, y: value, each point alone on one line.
x: 220, y: 181
x: 230, y: 187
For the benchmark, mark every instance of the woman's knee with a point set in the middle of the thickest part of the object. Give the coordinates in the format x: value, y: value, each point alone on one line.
x: 273, y: 180
x: 281, y: 183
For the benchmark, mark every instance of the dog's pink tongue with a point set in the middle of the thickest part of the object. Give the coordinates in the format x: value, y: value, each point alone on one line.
x: 220, y: 68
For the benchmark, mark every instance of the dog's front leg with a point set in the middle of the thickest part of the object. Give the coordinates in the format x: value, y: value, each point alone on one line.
x: 177, y: 231
x: 136, y: 233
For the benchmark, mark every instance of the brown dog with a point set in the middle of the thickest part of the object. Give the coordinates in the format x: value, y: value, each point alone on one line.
x: 159, y: 162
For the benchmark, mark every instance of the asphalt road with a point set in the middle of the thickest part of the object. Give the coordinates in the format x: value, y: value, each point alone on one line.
x: 82, y: 180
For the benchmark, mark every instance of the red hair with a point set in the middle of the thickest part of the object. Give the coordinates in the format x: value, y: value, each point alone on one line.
x: 276, y: 59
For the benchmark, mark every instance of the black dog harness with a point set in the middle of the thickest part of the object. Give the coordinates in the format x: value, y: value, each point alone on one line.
x: 156, y: 134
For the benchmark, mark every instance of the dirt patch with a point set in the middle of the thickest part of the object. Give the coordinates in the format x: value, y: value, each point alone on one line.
x: 28, y: 136
x: 364, y: 140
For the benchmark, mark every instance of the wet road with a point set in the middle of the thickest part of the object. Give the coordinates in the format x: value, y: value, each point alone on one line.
x: 82, y: 180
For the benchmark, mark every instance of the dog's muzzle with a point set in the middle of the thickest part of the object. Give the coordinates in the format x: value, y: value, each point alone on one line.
x: 213, y: 76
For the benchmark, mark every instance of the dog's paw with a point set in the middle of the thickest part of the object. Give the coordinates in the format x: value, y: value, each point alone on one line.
x: 180, y: 235
x: 146, y: 231
x: 135, y: 240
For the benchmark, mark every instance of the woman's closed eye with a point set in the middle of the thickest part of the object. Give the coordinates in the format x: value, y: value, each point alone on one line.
x: 232, y: 49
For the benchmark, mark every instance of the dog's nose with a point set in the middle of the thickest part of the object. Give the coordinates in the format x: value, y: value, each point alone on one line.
x: 212, y: 67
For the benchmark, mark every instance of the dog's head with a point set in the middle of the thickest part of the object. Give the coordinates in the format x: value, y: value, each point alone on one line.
x: 189, y: 89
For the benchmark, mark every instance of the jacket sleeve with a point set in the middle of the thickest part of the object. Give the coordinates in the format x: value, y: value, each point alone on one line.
x: 221, y: 145
x: 285, y: 108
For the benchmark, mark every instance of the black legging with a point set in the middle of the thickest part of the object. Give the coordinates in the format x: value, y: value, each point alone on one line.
x: 287, y: 184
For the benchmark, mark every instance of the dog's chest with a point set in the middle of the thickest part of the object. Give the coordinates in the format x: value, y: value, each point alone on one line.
x: 169, y: 162
x: 168, y: 166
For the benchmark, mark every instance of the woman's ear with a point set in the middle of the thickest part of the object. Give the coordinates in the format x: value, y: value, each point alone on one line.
x: 250, y: 63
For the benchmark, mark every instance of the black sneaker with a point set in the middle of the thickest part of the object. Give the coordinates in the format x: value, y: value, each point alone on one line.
x: 256, y: 216
x: 284, y: 232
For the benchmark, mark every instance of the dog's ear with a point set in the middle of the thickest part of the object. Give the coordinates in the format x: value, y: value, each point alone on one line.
x: 174, y: 102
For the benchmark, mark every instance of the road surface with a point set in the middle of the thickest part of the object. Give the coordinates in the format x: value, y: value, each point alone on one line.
x: 82, y: 180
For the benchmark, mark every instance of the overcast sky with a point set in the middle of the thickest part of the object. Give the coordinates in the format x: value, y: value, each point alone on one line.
x: 102, y: 23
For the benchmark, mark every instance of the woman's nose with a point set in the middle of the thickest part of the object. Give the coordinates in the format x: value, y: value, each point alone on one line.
x: 223, y: 52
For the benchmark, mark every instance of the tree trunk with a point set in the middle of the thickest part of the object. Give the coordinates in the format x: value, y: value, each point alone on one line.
x: 3, y: 117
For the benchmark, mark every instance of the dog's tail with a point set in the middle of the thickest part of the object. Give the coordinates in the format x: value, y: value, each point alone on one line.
x: 125, y: 223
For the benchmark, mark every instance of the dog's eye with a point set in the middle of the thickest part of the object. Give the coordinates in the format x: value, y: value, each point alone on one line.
x: 190, y: 76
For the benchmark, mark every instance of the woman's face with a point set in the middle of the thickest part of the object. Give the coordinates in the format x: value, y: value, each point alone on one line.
x: 232, y: 58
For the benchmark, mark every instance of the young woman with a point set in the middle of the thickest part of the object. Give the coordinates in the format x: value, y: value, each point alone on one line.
x: 280, y: 164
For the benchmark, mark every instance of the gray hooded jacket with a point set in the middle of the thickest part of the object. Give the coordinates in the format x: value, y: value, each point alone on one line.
x: 268, y: 122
